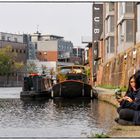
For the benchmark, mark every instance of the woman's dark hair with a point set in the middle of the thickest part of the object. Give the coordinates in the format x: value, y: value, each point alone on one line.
x: 130, y: 89
x: 137, y: 79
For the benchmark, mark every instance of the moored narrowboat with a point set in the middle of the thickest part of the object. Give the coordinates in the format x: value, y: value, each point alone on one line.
x: 36, y: 86
x: 72, y: 81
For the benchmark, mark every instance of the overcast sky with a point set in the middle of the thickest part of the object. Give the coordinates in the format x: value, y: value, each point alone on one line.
x: 70, y: 20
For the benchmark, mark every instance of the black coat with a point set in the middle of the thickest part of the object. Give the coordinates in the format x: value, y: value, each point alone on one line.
x: 135, y: 105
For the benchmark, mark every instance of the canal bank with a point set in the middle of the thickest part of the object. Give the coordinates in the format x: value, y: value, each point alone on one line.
x: 117, y: 131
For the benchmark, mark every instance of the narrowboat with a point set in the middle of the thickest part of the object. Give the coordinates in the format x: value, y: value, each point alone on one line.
x: 72, y: 81
x: 36, y: 86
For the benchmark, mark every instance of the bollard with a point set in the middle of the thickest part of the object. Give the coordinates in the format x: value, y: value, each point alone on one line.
x: 83, y: 92
x: 91, y: 93
x: 52, y: 94
x: 118, y: 93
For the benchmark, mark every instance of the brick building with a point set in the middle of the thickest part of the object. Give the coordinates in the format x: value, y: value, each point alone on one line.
x: 19, y: 46
x: 119, y: 43
x: 52, y: 47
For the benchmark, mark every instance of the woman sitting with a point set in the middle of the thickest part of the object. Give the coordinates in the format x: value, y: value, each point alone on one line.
x: 129, y: 110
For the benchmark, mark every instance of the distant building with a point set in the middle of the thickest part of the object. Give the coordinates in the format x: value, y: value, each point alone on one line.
x: 52, y: 47
x: 9, y: 37
x: 31, y: 51
x: 78, y: 55
x: 18, y: 44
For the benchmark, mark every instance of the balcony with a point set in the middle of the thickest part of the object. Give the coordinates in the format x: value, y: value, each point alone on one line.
x: 125, y: 16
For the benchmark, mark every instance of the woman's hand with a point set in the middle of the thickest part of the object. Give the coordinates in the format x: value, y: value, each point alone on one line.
x: 127, y: 99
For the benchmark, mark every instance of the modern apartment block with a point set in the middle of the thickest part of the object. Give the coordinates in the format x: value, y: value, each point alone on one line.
x: 125, y: 26
x: 52, y: 47
x: 119, y: 54
x: 109, y: 29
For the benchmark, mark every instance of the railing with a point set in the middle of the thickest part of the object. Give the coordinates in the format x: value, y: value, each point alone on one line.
x: 11, y: 84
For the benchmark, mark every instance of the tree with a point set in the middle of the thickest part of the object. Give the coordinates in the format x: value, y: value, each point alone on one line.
x: 18, y: 65
x: 88, y: 72
x: 7, y: 62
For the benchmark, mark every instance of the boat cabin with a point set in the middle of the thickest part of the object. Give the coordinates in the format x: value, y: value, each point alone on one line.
x: 72, y: 73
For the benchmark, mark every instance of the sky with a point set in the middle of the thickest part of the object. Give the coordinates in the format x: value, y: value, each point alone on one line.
x: 70, y: 20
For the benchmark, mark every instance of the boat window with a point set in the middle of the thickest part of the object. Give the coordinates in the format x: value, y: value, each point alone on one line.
x: 77, y: 70
x: 65, y: 71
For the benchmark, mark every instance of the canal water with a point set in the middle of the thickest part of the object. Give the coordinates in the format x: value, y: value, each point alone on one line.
x: 57, y: 118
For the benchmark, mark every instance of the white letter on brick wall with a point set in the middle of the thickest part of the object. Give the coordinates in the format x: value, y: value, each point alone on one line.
x: 96, y: 8
x: 97, y: 19
x: 96, y: 31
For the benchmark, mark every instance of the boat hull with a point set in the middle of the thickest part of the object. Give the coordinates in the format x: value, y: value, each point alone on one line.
x: 72, y: 88
x: 36, y: 87
x: 35, y: 95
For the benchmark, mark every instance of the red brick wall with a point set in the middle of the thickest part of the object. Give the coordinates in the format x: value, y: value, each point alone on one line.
x: 90, y: 65
x: 47, y: 56
x: 117, y: 71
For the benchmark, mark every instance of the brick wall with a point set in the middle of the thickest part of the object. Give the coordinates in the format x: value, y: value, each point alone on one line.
x: 117, y: 71
x: 90, y: 65
x: 47, y: 56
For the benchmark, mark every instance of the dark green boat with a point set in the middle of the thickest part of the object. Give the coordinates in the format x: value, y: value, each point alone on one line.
x: 36, y: 86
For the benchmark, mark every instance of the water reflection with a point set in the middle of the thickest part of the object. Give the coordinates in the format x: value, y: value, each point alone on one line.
x: 58, y: 118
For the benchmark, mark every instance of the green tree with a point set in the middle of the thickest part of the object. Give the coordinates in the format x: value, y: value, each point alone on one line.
x: 88, y: 72
x: 7, y: 62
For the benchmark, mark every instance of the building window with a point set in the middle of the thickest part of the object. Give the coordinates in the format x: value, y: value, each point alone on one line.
x: 129, y: 31
x: 120, y: 8
x: 119, y: 34
x: 36, y: 46
x: 8, y: 38
x: 138, y: 18
x: 107, y: 45
x: 110, y: 44
x: 106, y: 26
x: 3, y: 37
x: 111, y: 23
x: 111, y: 6
x: 129, y: 7
x: 111, y: 40
x: 15, y: 39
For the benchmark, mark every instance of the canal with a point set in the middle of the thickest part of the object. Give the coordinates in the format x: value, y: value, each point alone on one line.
x: 57, y: 118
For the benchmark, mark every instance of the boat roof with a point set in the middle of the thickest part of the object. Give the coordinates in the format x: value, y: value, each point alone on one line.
x: 72, y: 66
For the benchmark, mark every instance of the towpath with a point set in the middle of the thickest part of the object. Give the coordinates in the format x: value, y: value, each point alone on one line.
x: 118, y: 131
